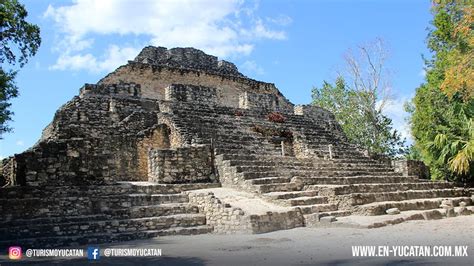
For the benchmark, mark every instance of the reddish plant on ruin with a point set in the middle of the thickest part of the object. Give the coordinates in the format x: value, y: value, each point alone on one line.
x: 273, y: 132
x: 276, y: 117
x: 238, y: 113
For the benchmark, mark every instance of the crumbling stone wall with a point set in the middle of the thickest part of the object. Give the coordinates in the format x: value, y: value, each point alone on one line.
x: 8, y: 172
x: 181, y: 165
x: 100, y: 136
x: 224, y: 218
x: 314, y: 112
x: 300, y: 147
x: 249, y: 100
x: 155, y: 78
x: 62, y: 162
x: 228, y: 220
x: 411, y: 168
x: 321, y: 116
x: 186, y: 58
x: 176, y: 138
x: 273, y: 221
x: 116, y: 90
x: 191, y: 93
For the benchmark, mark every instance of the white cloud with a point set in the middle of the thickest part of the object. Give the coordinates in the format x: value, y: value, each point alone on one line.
x: 224, y: 28
x: 113, y: 57
x: 282, y: 20
x: 260, y: 31
x: 422, y: 73
x: 20, y: 143
x: 252, y: 68
x: 394, y: 109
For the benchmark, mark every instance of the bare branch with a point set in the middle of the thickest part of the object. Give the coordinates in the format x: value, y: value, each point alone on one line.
x: 366, y: 71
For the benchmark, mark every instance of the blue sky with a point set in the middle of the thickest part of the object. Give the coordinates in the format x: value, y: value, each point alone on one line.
x: 294, y: 44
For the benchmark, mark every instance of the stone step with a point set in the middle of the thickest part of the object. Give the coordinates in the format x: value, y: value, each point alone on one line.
x: 152, y: 210
x: 270, y: 180
x: 302, y: 201
x: 379, y: 208
x: 24, y: 192
x: 296, y: 162
x: 122, y: 187
x: 264, y: 157
x: 241, y: 151
x: 122, y: 213
x: 366, y: 198
x: 318, y: 215
x: 9, y: 222
x: 315, y: 174
x: 322, y: 145
x: 154, y: 188
x: 85, y: 239
x: 267, y: 163
x: 278, y: 187
x: 307, y: 209
x: 331, y: 190
x: 290, y: 195
x: 347, y: 169
x: 110, y: 226
x: 314, y: 168
x: 355, y: 180
x: 142, y: 199
x: 341, y: 213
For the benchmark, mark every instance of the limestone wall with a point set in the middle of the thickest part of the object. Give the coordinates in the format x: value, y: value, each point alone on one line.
x: 313, y: 112
x: 154, y: 79
x: 228, y: 220
x: 117, y: 90
x: 411, y: 168
x: 273, y: 221
x: 249, y: 100
x: 191, y: 93
x: 62, y: 162
x: 111, y: 128
x: 186, y: 58
x: 8, y: 172
x: 181, y: 165
x: 27, y: 202
x: 321, y: 116
x: 224, y: 218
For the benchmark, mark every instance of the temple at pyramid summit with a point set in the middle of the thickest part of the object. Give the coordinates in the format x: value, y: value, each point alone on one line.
x: 178, y: 142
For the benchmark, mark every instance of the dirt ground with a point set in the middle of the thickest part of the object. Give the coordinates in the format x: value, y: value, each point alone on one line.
x: 301, y: 246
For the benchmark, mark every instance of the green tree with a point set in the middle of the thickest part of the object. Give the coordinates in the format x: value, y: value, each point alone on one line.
x: 443, y: 107
x: 19, y: 40
x: 361, y: 121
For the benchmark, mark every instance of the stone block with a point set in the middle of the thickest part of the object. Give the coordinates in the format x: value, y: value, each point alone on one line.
x: 463, y: 211
x: 450, y: 212
x: 327, y: 219
x: 432, y: 215
x: 393, y: 211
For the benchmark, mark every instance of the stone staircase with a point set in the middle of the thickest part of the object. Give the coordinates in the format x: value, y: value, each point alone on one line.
x: 98, y: 214
x: 347, y: 183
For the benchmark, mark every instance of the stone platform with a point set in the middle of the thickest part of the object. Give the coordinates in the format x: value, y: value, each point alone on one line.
x: 233, y: 211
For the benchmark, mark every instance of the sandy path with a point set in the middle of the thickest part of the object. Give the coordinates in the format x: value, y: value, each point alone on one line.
x: 302, y: 246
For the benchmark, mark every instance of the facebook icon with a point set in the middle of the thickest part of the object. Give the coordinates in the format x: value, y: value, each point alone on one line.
x: 93, y: 253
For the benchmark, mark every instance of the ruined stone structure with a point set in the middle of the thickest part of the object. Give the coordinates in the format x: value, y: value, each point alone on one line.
x: 144, y: 152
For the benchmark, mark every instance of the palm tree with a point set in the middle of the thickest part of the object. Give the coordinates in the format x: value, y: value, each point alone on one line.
x: 456, y: 149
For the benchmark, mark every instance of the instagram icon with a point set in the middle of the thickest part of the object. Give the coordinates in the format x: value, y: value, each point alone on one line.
x: 14, y: 253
